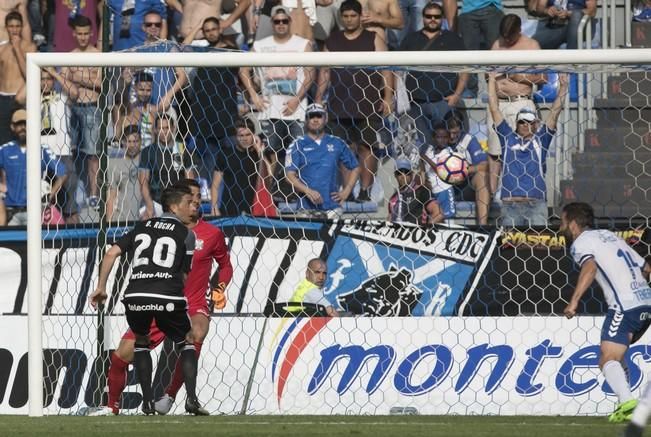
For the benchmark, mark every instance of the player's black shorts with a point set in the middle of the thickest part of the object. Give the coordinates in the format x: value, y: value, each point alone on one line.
x: 171, y: 317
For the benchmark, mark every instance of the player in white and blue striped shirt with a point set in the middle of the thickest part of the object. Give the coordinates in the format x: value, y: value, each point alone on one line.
x: 622, y: 274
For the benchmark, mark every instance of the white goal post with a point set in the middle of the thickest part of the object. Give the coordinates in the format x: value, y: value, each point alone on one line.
x: 469, y: 61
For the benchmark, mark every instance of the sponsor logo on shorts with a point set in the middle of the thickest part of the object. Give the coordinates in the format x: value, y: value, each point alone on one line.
x: 148, y: 307
x: 169, y: 307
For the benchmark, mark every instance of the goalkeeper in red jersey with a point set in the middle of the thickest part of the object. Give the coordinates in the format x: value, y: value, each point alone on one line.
x: 201, y: 292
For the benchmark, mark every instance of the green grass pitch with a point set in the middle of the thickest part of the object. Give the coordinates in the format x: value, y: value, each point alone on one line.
x: 375, y: 426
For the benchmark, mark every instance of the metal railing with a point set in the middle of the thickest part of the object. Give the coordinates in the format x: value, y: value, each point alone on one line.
x: 584, y: 94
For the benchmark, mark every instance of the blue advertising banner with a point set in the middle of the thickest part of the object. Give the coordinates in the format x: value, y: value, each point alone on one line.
x: 384, y: 269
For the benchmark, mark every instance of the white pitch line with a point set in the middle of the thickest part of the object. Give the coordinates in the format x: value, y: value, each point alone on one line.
x: 307, y: 423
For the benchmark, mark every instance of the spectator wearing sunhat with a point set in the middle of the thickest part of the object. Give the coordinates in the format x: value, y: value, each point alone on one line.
x: 312, y: 164
x: 524, y: 154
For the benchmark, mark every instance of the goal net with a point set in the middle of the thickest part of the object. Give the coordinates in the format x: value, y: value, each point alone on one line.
x: 446, y: 306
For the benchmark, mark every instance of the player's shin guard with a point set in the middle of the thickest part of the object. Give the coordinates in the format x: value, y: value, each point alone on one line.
x: 178, y: 379
x: 142, y: 363
x: 188, y: 360
x: 117, y: 380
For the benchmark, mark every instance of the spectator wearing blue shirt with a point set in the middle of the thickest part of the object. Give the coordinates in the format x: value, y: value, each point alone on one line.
x: 129, y: 21
x: 524, y: 154
x: 13, y: 160
x: 467, y: 146
x: 561, y: 23
x: 312, y: 165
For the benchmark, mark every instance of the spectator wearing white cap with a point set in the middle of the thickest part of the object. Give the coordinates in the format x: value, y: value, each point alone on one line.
x: 312, y: 165
x: 412, y: 202
x: 524, y: 154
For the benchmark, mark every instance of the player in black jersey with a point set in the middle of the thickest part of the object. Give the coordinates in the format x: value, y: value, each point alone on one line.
x: 162, y: 251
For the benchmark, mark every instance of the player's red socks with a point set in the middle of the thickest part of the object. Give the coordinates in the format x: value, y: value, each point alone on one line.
x: 117, y: 380
x: 177, y: 379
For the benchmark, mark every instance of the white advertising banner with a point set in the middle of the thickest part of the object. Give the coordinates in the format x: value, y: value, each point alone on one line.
x: 507, y: 366
x: 491, y: 365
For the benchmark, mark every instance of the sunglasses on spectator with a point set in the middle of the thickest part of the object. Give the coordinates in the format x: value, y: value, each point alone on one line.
x: 432, y: 16
x: 315, y: 115
x: 401, y: 172
x: 526, y: 122
x: 281, y: 21
x: 157, y: 24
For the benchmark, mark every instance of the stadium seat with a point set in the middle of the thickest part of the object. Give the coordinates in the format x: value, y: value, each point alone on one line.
x: 349, y: 207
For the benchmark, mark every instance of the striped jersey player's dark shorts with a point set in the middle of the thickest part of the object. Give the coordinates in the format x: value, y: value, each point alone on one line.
x: 171, y: 317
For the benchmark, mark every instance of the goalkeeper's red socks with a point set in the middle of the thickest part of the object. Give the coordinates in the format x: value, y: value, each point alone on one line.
x: 177, y: 379
x: 117, y: 380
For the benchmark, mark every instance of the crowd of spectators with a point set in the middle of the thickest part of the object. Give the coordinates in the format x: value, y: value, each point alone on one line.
x: 246, y: 133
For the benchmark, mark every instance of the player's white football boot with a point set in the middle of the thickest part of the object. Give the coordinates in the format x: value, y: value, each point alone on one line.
x: 164, y: 404
x: 100, y: 411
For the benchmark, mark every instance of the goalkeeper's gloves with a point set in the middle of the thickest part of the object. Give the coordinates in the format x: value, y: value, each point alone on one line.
x: 218, y: 296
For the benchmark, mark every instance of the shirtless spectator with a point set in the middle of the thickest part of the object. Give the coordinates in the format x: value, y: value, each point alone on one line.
x: 196, y: 11
x: 513, y: 90
x: 86, y: 118
x: 359, y: 99
x: 381, y: 16
x: 20, y: 7
x: 12, y: 72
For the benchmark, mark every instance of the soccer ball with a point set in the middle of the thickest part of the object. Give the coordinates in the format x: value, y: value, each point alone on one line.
x: 452, y: 168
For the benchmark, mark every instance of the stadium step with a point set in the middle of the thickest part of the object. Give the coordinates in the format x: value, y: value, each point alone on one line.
x: 609, y: 192
x: 633, y: 113
x: 617, y: 140
x: 630, y: 85
x: 612, y: 165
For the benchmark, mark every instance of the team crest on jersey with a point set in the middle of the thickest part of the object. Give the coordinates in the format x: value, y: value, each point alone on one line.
x: 331, y: 148
x: 198, y: 244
